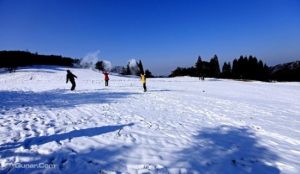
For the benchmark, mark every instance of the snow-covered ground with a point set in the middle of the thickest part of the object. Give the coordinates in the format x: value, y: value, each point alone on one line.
x: 181, y: 125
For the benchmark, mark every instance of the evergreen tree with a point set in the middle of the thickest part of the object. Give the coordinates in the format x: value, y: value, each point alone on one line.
x: 266, y: 73
x: 226, y: 70
x: 126, y: 70
x: 123, y: 72
x: 99, y: 65
x: 148, y: 74
x: 214, y: 67
x: 183, y: 72
x: 199, y: 67
x: 235, y: 69
x: 140, y: 68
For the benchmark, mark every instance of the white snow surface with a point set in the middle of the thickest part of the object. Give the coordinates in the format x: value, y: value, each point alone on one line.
x: 181, y: 125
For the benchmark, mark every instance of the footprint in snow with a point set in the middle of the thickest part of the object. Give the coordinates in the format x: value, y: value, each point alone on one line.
x: 17, y: 138
x: 17, y: 122
x: 58, y: 142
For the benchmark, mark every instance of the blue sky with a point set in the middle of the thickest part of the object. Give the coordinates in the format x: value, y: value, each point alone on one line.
x: 163, y: 33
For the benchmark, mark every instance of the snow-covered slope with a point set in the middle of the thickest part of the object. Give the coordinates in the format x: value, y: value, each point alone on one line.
x: 182, y: 125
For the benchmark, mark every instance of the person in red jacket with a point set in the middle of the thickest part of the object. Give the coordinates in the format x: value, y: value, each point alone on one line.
x: 106, y: 78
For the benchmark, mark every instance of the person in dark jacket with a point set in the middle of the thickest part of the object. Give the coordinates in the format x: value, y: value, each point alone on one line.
x: 71, y: 77
x: 106, y: 78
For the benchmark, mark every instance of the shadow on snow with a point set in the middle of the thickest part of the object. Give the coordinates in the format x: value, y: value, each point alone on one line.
x: 89, y: 132
x: 227, y: 149
x: 66, y: 158
x: 43, y: 67
x: 57, y: 98
x: 223, y: 149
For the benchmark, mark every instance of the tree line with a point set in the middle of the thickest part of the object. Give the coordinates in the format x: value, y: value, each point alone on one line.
x: 129, y: 70
x: 14, y: 59
x: 245, y: 68
x: 200, y: 69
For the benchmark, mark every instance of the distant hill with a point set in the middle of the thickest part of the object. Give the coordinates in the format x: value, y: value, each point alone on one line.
x: 286, y: 72
x: 14, y: 59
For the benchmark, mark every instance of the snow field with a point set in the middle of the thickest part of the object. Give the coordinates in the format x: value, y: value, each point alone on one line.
x: 182, y: 125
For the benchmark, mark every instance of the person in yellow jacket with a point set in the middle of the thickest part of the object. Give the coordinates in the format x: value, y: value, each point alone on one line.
x: 143, y: 80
